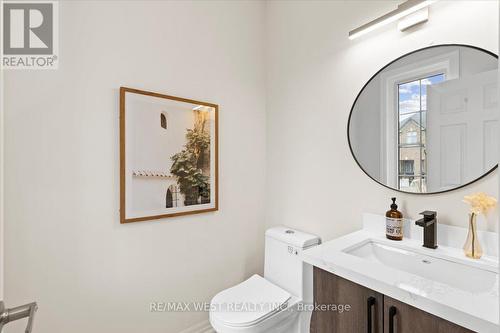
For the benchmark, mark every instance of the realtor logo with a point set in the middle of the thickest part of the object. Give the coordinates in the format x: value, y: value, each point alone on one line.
x: 29, y: 32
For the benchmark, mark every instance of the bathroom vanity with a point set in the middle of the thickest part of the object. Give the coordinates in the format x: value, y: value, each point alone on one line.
x: 400, y: 286
x: 370, y: 311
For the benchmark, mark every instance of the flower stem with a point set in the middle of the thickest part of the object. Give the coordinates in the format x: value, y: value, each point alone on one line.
x: 472, y: 227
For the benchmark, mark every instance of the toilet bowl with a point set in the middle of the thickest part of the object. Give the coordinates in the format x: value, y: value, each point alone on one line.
x: 272, y: 303
x: 255, y: 305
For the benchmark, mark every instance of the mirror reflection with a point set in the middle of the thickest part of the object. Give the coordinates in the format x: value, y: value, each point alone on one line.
x: 428, y: 122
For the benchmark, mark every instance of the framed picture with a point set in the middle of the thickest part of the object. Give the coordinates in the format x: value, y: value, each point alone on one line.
x: 168, y: 156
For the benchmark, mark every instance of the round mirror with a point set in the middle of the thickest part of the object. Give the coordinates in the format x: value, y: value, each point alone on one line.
x: 428, y: 121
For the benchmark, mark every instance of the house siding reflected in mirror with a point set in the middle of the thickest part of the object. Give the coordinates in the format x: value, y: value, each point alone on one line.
x: 428, y: 121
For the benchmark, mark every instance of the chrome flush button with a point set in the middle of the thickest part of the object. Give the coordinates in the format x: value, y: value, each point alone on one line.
x: 291, y: 250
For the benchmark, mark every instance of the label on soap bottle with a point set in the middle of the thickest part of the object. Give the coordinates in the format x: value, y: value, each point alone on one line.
x: 394, y: 227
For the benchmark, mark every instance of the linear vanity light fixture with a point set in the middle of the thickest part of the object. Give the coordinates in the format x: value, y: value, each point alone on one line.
x: 404, y: 9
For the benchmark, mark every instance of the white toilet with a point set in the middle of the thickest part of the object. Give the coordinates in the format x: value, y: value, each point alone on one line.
x: 276, y: 302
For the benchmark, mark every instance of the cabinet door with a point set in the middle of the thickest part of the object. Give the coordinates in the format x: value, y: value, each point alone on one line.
x: 365, y: 314
x: 403, y: 318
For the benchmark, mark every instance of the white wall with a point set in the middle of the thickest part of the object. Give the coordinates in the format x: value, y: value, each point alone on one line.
x: 64, y: 246
x: 314, y: 75
x: 2, y: 187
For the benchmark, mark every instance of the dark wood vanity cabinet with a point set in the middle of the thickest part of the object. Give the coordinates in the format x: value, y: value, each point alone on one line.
x: 366, y: 306
x: 406, y: 318
x: 369, y: 312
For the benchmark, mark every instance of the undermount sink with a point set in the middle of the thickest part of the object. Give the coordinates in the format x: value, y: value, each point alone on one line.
x: 454, y: 274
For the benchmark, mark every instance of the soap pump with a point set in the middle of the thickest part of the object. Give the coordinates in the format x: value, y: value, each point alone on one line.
x: 394, y: 222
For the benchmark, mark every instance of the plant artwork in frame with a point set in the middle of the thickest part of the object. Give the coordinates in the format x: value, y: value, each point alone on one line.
x: 168, y: 156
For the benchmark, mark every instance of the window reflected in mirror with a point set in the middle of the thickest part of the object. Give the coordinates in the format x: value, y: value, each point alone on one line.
x: 412, y: 104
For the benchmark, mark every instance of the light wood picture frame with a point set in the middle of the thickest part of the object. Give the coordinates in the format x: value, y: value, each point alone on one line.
x: 168, y: 156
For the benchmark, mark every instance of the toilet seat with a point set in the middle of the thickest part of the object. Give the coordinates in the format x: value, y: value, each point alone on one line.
x: 248, y: 303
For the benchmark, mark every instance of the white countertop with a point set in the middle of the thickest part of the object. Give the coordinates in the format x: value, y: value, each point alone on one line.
x: 477, y: 311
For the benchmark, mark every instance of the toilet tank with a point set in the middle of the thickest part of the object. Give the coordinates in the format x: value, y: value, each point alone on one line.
x: 283, y: 265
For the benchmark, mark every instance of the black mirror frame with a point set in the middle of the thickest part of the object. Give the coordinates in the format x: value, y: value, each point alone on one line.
x: 370, y: 80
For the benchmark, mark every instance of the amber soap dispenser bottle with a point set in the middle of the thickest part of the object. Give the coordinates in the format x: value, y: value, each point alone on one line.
x: 394, y: 222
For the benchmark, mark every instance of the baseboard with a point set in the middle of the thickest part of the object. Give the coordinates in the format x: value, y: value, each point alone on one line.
x: 202, y: 327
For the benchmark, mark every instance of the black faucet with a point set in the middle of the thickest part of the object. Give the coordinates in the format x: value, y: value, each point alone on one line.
x: 429, y: 223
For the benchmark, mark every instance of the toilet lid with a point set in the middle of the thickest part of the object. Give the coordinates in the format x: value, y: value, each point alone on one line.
x: 248, y: 302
